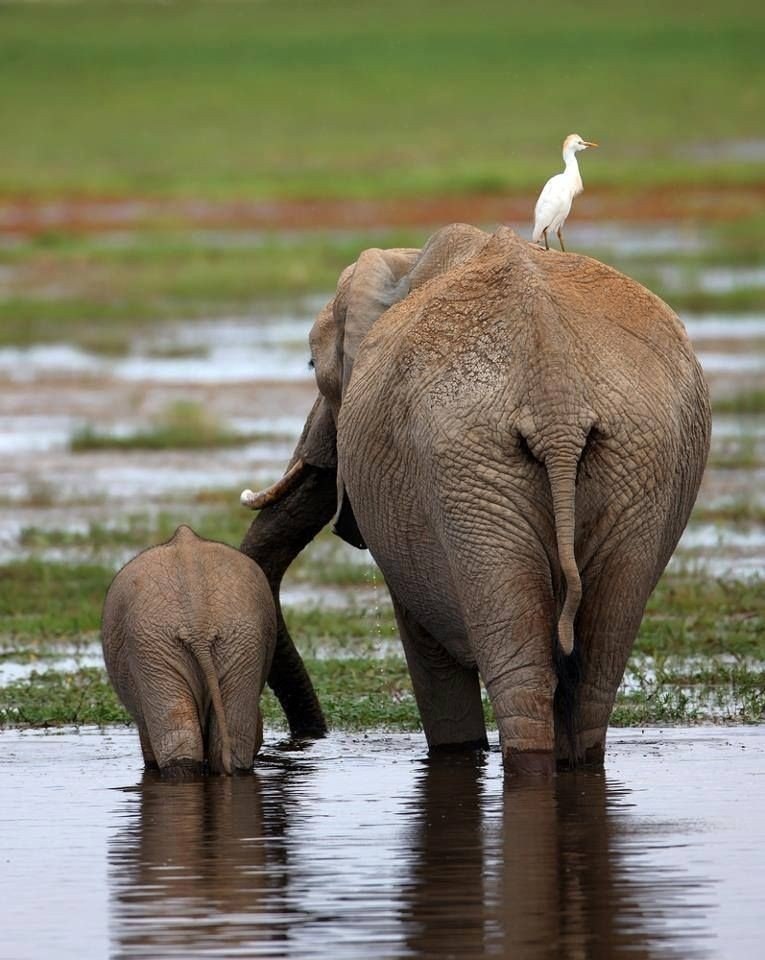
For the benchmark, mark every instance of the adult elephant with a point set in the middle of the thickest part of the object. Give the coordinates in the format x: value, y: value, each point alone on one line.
x: 519, y: 436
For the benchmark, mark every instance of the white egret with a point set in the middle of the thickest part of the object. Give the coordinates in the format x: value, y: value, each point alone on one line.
x: 554, y: 203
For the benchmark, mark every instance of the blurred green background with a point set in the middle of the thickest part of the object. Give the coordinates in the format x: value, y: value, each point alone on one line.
x: 317, y: 99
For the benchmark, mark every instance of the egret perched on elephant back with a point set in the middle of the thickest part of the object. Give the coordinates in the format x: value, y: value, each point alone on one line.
x: 519, y: 439
x: 554, y: 203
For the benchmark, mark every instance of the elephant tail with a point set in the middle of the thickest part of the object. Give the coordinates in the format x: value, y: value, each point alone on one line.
x: 201, y: 653
x: 561, y: 472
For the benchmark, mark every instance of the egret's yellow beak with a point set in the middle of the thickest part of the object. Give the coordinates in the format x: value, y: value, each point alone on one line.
x: 589, y: 143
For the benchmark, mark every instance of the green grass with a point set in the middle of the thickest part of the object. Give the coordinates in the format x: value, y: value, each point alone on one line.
x: 741, y: 300
x: 676, y: 694
x: 140, y: 531
x: 52, y: 698
x: 737, y: 453
x: 215, y: 515
x: 40, y: 600
x: 741, y: 512
x: 345, y: 98
x: 103, y: 293
x: 364, y: 694
x: 749, y: 402
x: 698, y: 656
x: 183, y: 425
x: 99, y: 294
x: 355, y: 694
x: 701, y: 615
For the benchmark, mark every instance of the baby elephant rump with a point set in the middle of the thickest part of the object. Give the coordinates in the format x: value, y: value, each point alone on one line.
x: 188, y: 632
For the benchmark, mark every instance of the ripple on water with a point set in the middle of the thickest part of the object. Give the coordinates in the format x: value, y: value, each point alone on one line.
x: 353, y: 846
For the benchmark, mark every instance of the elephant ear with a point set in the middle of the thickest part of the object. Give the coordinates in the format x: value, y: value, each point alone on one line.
x: 318, y: 443
x: 376, y: 281
x: 450, y: 247
x: 379, y: 280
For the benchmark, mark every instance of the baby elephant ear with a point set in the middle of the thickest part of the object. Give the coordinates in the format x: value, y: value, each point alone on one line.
x: 378, y: 281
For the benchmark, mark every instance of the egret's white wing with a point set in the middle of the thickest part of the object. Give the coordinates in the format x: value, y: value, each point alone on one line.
x: 554, y: 202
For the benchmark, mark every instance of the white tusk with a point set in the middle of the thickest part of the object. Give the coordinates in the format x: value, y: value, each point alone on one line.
x: 274, y: 493
x: 247, y: 497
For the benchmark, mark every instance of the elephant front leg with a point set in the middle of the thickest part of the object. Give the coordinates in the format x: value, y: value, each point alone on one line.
x: 448, y: 695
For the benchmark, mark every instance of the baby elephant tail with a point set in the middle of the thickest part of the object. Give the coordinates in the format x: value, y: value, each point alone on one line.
x: 201, y: 652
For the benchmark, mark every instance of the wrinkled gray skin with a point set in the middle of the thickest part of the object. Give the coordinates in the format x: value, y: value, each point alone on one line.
x: 519, y: 439
x: 188, y: 634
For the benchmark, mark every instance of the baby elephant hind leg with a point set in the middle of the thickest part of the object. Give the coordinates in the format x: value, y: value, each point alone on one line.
x: 239, y: 662
x: 175, y: 736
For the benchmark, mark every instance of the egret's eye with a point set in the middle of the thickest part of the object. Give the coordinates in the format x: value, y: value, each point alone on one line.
x: 311, y: 363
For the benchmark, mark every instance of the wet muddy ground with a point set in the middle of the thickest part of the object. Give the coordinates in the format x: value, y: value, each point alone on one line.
x: 358, y: 846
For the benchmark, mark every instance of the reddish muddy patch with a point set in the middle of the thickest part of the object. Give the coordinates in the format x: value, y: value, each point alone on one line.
x: 30, y: 215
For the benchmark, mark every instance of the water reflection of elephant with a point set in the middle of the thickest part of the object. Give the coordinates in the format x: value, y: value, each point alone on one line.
x: 197, y: 870
x: 333, y: 859
x: 535, y: 872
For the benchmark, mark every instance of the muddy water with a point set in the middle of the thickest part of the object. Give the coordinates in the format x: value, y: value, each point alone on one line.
x: 360, y: 848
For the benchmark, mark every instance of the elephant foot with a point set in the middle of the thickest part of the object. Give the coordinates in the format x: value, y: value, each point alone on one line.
x: 589, y: 756
x: 529, y: 763
x: 592, y: 750
x: 595, y: 755
x: 183, y: 769
x: 464, y: 746
x: 242, y: 771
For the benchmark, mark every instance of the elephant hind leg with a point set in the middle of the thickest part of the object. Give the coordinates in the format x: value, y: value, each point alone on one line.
x: 172, y: 722
x: 613, y: 601
x: 150, y: 761
x: 448, y: 695
x: 568, y: 670
x: 513, y: 650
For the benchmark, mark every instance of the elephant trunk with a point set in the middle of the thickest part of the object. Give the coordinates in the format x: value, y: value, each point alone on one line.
x: 274, y: 493
x: 276, y: 536
x: 561, y: 472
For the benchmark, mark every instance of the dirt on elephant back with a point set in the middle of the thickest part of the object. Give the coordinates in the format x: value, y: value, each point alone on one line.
x: 30, y: 215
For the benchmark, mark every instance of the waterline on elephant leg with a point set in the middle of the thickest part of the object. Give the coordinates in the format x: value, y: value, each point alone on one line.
x: 529, y: 763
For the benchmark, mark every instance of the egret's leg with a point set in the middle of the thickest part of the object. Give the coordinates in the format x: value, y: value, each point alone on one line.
x: 544, y: 234
x: 560, y: 239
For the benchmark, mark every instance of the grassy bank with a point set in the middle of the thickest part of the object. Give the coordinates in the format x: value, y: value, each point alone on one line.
x: 343, y: 99
x: 100, y: 292
x: 698, y: 657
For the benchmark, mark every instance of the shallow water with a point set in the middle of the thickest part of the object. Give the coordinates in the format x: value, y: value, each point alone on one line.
x: 357, y: 847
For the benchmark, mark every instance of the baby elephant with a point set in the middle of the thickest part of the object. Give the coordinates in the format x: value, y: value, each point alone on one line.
x: 188, y: 631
